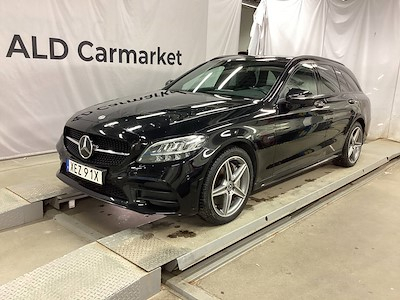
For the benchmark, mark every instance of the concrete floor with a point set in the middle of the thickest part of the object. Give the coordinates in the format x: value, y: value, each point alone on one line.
x: 106, y: 218
x: 29, y: 246
x: 350, y: 249
x: 165, y: 294
x: 26, y: 247
x: 347, y: 250
x: 21, y: 170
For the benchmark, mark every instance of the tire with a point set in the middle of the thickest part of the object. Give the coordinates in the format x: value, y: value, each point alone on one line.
x: 352, y: 147
x: 223, y: 196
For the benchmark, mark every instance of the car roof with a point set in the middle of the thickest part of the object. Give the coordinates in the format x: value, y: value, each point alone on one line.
x: 281, y: 59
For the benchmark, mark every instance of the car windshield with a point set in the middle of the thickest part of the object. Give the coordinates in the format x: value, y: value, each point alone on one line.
x: 236, y: 78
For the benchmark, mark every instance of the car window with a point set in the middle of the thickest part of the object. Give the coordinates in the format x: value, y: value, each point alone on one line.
x: 205, y: 80
x: 329, y: 84
x: 350, y: 81
x: 271, y: 78
x: 240, y: 78
x: 303, y: 79
x: 344, y: 87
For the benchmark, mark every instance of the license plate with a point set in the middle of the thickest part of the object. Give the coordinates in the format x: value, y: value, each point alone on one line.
x: 85, y: 172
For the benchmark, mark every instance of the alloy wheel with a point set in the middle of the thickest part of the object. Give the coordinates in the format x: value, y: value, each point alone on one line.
x: 230, y: 186
x: 355, y: 144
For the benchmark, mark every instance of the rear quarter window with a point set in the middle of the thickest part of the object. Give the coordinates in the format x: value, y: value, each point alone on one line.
x: 350, y: 81
x: 328, y: 83
x: 346, y: 81
x: 344, y: 87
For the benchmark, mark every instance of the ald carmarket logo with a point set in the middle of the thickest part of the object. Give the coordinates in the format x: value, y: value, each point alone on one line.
x: 87, y: 51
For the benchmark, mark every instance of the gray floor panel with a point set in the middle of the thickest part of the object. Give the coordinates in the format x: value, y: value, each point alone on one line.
x: 113, y: 266
x: 143, y: 249
x: 15, y: 211
x: 349, y: 249
x: 91, y: 272
x: 10, y: 201
x: 203, y: 240
x: 41, y: 189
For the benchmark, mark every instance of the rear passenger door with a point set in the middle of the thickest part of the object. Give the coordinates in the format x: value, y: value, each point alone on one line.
x: 338, y: 98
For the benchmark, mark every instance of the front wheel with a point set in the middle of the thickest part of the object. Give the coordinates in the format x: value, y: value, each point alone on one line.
x: 226, y: 187
x: 352, y: 147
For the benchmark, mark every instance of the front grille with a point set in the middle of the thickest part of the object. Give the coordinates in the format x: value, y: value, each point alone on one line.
x: 98, y: 158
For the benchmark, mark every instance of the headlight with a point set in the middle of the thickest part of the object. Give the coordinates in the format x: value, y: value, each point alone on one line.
x: 172, y: 149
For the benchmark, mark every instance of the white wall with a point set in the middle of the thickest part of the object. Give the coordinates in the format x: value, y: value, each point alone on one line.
x: 362, y: 34
x: 38, y: 94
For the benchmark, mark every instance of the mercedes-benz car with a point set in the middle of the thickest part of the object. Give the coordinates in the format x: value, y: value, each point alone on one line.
x: 208, y: 139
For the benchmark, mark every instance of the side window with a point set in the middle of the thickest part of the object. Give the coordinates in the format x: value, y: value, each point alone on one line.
x: 350, y: 81
x: 329, y: 84
x: 344, y: 87
x: 303, y: 79
x: 271, y: 78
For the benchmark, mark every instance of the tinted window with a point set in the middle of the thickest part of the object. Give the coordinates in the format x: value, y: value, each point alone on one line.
x: 205, y: 80
x: 329, y: 84
x: 240, y: 78
x: 350, y: 81
x: 344, y: 87
x: 303, y: 79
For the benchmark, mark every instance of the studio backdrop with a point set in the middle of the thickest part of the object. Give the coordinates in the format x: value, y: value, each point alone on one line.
x: 362, y: 34
x: 57, y: 57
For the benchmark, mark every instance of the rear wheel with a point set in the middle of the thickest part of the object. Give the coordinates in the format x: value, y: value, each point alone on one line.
x: 226, y: 187
x: 352, y: 147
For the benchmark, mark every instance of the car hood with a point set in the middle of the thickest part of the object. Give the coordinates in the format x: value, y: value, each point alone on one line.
x: 159, y: 114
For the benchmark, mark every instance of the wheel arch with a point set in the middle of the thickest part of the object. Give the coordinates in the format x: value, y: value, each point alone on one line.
x: 247, y: 146
x: 360, y: 120
x: 362, y: 123
x: 206, y: 208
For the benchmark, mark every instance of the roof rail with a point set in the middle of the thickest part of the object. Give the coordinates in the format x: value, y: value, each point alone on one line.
x: 314, y: 57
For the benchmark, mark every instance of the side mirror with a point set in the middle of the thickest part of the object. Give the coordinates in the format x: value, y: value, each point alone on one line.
x: 169, y: 82
x: 297, y: 96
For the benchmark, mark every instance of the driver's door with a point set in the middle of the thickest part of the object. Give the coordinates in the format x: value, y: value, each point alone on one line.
x: 301, y: 123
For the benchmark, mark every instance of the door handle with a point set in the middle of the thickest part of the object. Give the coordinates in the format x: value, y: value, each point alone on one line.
x: 351, y: 101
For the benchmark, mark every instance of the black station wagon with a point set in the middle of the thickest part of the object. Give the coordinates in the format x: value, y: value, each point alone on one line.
x: 208, y: 139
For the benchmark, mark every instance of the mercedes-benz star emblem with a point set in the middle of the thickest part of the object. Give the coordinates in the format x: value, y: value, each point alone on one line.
x: 85, y: 147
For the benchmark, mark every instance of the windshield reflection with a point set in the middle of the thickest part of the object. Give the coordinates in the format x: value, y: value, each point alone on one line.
x: 252, y: 79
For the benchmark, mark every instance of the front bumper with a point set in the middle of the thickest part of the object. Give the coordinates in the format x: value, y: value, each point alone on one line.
x: 167, y: 188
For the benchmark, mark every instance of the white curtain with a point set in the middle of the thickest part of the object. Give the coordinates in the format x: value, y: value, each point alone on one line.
x: 223, y: 28
x: 39, y: 94
x: 362, y: 34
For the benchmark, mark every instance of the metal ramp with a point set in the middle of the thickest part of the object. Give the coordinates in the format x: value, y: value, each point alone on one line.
x: 127, y: 265
x: 91, y: 272
x: 187, y: 241
x: 23, y: 203
x: 14, y: 210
